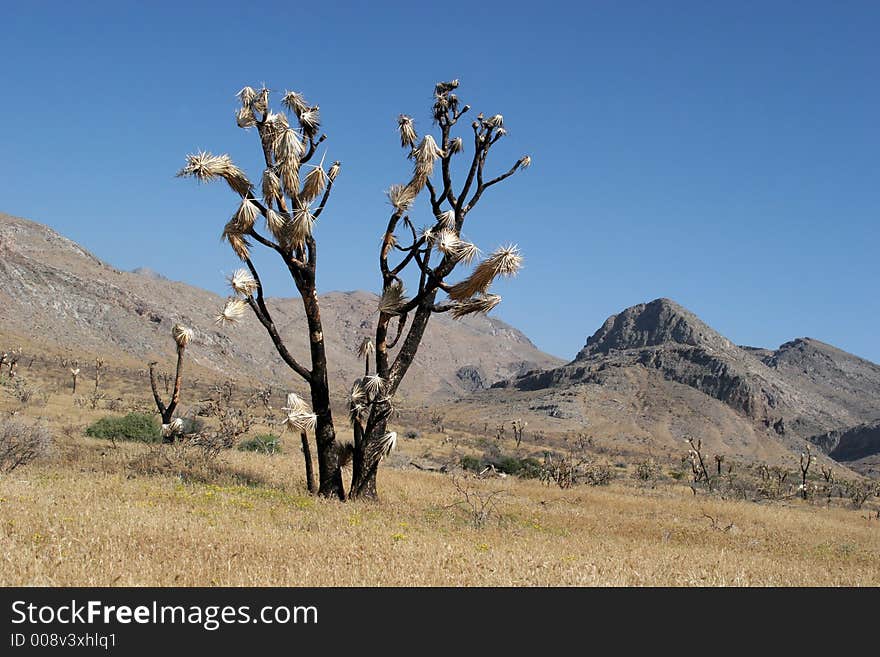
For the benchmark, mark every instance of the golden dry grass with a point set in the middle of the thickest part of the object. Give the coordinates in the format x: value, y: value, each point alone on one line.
x: 83, y: 517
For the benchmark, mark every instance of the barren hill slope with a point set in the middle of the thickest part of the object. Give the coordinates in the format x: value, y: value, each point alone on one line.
x: 57, y: 293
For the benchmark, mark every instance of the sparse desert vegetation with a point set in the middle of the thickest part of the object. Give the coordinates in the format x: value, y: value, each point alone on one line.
x: 94, y: 511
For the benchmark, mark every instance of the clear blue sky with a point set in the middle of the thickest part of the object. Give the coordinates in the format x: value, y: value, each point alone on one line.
x: 726, y: 155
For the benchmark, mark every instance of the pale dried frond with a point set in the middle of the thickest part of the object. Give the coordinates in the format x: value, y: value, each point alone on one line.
x: 204, y: 167
x: 295, y: 102
x: 374, y: 384
x: 300, y: 227
x: 494, y: 121
x: 526, y: 162
x: 447, y: 241
x: 334, y: 170
x: 246, y: 96
x: 314, y: 184
x: 181, y: 334
x: 480, y: 304
x: 261, y: 102
x: 236, y: 240
x: 74, y: 371
x: 288, y: 145
x: 506, y: 261
x: 393, y: 298
x: 467, y: 252
x: 407, y: 131
x: 275, y: 222
x: 442, y: 88
x: 388, y: 443
x: 446, y: 219
x: 244, y: 117
x: 246, y: 215
x: 456, y: 145
x: 295, y: 404
x: 232, y: 312
x: 310, y: 120
x: 299, y: 415
x: 401, y: 197
x: 358, y: 394
x: 425, y: 154
x: 366, y: 348
x: 243, y: 283
x: 173, y: 428
x: 290, y: 177
x: 271, y: 187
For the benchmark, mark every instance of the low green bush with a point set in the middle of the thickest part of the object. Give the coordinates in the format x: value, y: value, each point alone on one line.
x: 134, y: 426
x: 266, y: 443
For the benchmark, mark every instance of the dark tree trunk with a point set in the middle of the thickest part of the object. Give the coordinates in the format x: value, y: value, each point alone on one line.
x: 307, y: 455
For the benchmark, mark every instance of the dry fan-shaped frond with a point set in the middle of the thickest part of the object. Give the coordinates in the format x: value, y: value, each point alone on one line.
x: 480, y: 304
x: 446, y: 219
x: 366, y: 348
x: 442, y: 88
x: 173, y: 428
x: 246, y: 96
x: 393, y: 298
x: 299, y: 416
x: 246, y: 215
x: 358, y: 394
x: 271, y: 186
x: 467, y: 252
x: 334, y: 170
x: 295, y: 102
x: 261, y: 102
x: 407, y: 131
x: 275, y: 222
x: 506, y: 261
x: 316, y: 180
x: 374, y: 384
x: 300, y: 227
x: 242, y: 282
x: 74, y: 371
x: 181, y: 334
x: 494, y: 121
x: 310, y: 120
x: 290, y: 177
x: 388, y: 443
x: 204, y: 167
x: 236, y: 240
x: 295, y: 404
x: 425, y: 154
x: 447, y: 241
x: 456, y: 145
x: 526, y: 162
x: 244, y: 117
x: 231, y: 312
x: 401, y: 197
x: 288, y: 145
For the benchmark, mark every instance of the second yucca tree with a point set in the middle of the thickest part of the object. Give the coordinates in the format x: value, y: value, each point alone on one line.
x: 289, y: 186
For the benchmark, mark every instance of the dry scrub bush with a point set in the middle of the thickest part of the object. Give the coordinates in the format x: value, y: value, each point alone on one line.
x: 21, y: 443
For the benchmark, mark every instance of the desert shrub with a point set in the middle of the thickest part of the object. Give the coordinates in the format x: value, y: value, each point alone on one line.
x: 193, y: 425
x: 471, y: 463
x: 265, y: 443
x: 526, y: 468
x: 598, y: 474
x: 647, y: 471
x: 412, y: 434
x: 134, y: 426
x: 21, y: 443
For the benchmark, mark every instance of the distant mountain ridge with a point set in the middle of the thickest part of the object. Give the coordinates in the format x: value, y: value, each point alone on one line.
x: 57, y: 292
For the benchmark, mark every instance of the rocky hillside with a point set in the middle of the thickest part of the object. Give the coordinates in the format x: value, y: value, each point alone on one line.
x: 655, y: 373
x: 56, y: 293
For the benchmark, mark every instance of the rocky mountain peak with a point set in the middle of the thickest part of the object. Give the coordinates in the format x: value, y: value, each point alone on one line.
x: 658, y: 322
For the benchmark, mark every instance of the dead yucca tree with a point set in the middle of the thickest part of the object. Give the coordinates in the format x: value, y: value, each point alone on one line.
x: 172, y: 427
x: 432, y: 256
x: 280, y: 213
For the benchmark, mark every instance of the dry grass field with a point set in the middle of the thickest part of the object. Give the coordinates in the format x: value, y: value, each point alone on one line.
x: 94, y: 513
